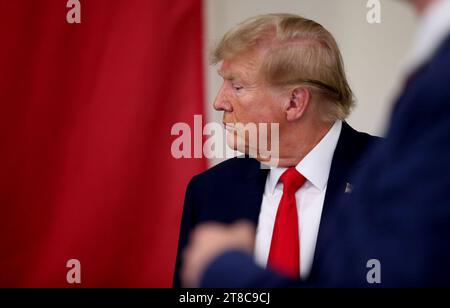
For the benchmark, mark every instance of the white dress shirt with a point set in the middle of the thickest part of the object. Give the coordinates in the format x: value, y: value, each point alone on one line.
x: 315, y: 167
x: 434, y: 27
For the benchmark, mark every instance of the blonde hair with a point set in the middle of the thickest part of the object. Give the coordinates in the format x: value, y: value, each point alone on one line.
x: 298, y: 51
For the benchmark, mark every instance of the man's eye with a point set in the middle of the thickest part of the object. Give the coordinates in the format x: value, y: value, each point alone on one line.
x: 237, y: 88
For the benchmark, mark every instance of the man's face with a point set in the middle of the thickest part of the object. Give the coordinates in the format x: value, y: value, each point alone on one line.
x: 247, y: 99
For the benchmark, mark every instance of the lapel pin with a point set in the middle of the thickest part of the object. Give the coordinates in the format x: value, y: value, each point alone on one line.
x: 348, y: 188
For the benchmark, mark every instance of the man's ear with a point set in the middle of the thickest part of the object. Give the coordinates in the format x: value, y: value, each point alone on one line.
x: 298, y: 103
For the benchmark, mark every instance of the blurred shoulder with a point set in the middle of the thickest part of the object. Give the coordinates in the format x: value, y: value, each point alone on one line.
x: 233, y: 168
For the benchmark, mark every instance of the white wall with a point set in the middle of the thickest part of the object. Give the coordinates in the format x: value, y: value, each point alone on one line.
x: 373, y: 53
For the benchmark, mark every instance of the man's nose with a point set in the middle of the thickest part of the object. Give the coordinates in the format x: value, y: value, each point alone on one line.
x: 222, y: 103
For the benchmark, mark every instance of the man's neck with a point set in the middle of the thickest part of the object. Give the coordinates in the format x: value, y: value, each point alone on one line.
x: 297, y: 144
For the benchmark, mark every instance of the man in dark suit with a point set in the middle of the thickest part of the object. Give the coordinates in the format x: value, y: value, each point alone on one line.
x: 309, y: 101
x: 394, y: 230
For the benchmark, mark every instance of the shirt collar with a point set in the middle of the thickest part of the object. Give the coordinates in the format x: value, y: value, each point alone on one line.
x: 315, y: 166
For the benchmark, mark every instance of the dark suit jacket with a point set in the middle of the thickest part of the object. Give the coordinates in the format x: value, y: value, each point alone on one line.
x: 233, y: 190
x: 399, y: 211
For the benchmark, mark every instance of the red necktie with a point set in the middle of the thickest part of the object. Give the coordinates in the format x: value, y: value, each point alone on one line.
x: 284, y: 255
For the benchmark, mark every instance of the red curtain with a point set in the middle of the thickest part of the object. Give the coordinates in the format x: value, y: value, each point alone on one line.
x: 86, y: 170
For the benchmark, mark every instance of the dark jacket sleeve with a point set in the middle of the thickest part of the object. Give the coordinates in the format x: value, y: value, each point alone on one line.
x: 187, y: 224
x: 236, y: 269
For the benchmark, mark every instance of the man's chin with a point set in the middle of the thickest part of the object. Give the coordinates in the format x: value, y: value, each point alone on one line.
x: 266, y: 161
x: 235, y: 145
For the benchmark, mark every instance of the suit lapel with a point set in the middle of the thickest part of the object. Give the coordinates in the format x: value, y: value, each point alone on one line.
x: 339, y: 185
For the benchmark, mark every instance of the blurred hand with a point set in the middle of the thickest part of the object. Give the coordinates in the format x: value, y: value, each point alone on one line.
x: 210, y: 240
